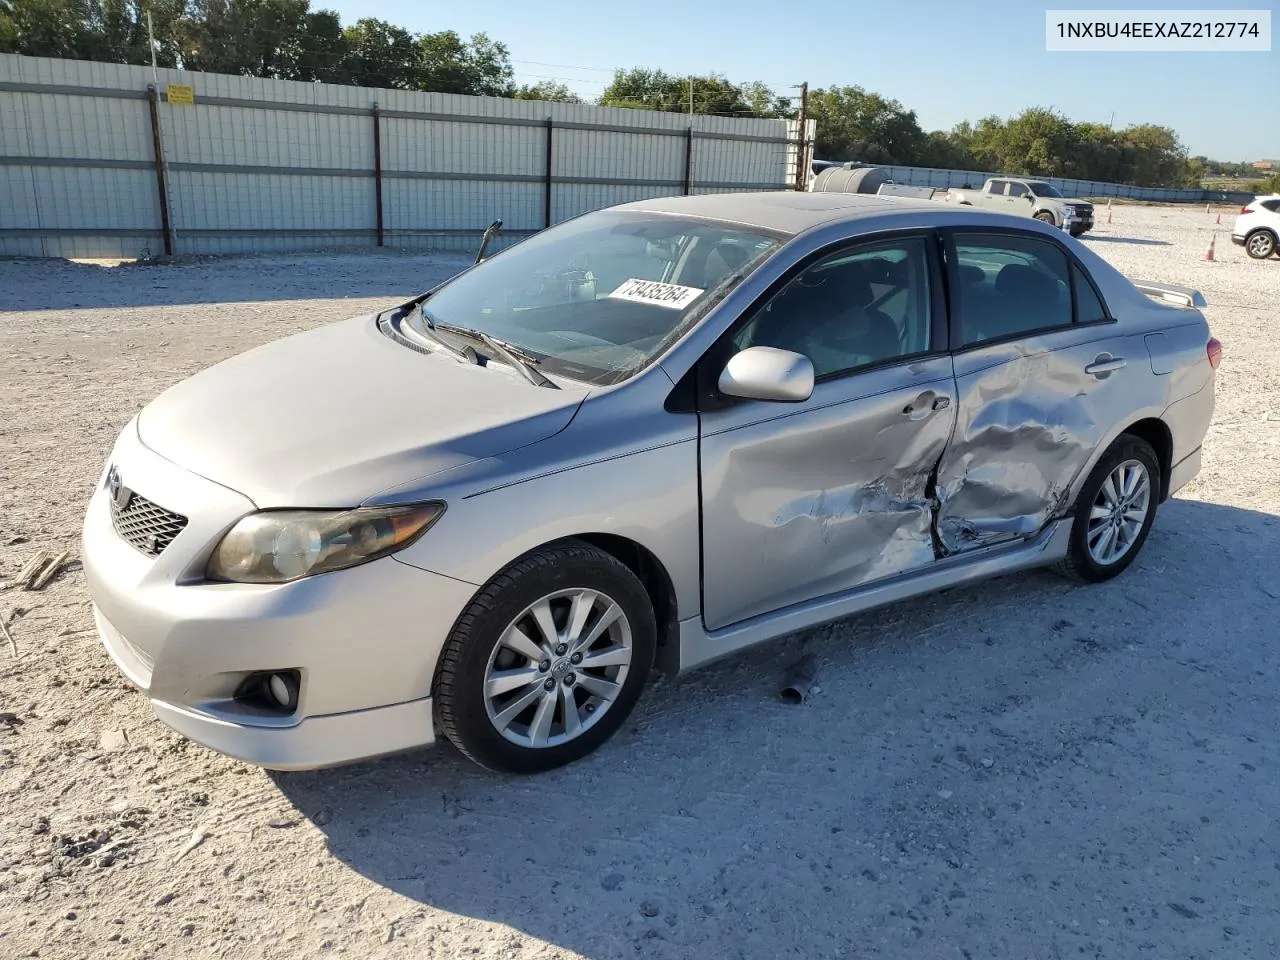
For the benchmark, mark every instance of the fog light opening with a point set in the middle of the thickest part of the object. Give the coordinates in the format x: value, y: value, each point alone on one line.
x: 275, y: 690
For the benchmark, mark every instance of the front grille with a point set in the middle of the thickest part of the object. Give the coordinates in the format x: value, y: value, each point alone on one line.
x: 146, y: 526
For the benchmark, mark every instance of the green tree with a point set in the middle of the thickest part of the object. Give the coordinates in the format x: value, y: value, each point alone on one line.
x: 644, y: 89
x: 480, y: 67
x: 322, y: 50
x: 47, y: 28
x: 1156, y: 155
x: 380, y: 54
x: 764, y: 102
x: 854, y: 124
x: 549, y: 90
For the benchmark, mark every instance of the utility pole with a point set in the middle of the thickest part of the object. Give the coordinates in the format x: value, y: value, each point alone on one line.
x: 151, y: 41
x: 803, y: 118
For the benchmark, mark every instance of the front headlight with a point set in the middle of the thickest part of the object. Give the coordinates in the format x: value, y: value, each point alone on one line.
x: 277, y: 546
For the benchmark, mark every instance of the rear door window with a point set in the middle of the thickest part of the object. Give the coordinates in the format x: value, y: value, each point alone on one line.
x: 1010, y: 285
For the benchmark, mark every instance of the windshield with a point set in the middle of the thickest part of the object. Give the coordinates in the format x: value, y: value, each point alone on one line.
x: 1042, y: 189
x: 597, y: 298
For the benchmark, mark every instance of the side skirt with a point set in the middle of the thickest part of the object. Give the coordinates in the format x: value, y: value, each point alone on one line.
x: 699, y: 647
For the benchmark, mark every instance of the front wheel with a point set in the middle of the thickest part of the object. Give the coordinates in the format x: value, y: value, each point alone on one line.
x: 547, y: 661
x: 1046, y: 216
x: 1114, y: 512
x: 1260, y: 244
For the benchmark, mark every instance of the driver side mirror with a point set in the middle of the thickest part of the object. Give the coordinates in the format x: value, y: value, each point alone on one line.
x: 767, y: 373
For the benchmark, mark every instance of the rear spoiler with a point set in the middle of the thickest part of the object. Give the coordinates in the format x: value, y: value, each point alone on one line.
x: 1170, y: 293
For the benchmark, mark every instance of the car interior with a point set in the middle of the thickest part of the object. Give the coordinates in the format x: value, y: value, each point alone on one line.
x: 1004, y: 293
x: 848, y: 313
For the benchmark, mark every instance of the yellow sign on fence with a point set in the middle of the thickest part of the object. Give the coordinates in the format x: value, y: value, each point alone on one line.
x: 181, y: 95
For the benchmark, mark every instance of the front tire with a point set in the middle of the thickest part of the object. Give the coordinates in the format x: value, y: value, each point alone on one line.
x: 1114, y: 512
x: 1260, y: 244
x: 1046, y: 216
x: 547, y: 661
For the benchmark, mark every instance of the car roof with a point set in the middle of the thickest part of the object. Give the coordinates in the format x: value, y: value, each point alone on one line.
x: 781, y: 211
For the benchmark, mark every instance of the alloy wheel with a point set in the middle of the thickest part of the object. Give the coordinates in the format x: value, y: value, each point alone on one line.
x: 1119, y: 512
x: 1261, y: 245
x: 558, y: 667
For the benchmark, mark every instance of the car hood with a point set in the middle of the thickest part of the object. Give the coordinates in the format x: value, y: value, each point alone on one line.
x: 331, y: 417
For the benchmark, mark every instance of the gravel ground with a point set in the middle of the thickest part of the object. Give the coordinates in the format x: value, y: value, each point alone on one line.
x: 1021, y: 769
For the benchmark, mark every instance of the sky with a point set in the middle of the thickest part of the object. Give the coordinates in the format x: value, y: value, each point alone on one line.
x: 948, y: 62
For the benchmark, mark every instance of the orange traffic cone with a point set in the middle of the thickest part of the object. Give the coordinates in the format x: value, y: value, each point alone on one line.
x: 1206, y: 208
x: 1108, y: 211
x: 1208, y: 254
x: 1219, y: 220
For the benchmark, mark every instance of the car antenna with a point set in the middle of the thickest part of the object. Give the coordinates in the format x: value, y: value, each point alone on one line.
x: 490, y: 232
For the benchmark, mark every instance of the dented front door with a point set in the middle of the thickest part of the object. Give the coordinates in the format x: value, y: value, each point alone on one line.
x: 801, y: 501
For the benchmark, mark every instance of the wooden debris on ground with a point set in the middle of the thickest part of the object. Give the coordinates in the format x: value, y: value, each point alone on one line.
x: 49, y: 572
x: 198, y: 836
x: 4, y: 628
x: 39, y: 570
x: 29, y: 569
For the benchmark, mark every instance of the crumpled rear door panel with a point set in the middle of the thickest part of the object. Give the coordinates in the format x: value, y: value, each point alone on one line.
x: 1028, y: 421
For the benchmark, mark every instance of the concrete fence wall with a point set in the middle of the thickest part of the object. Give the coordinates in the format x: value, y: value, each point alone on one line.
x: 257, y: 165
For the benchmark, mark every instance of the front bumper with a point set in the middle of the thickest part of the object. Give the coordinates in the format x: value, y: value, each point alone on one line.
x: 1238, y: 241
x: 365, y: 640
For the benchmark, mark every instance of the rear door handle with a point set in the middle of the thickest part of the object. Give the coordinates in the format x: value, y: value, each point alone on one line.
x: 1104, y: 364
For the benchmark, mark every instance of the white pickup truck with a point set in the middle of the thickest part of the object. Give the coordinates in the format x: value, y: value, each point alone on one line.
x: 1029, y: 198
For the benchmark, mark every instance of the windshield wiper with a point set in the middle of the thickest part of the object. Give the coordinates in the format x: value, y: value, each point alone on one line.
x: 521, y: 362
x: 429, y: 327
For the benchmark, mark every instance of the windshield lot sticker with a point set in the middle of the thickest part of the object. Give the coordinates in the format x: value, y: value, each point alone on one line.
x: 660, y: 294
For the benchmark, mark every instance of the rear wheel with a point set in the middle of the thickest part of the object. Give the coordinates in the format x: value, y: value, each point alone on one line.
x: 1260, y: 244
x: 1114, y: 512
x: 547, y: 661
x: 1046, y: 216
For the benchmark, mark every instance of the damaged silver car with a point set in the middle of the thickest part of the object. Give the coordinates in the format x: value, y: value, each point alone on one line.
x: 649, y: 437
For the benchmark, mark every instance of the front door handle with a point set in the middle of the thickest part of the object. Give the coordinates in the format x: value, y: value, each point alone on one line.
x: 924, y: 405
x: 1103, y: 364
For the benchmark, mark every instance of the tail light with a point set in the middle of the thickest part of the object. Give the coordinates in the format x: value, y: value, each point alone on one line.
x: 1214, y: 350
x: 1244, y: 209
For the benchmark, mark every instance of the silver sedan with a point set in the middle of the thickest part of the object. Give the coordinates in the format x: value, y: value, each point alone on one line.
x: 649, y: 437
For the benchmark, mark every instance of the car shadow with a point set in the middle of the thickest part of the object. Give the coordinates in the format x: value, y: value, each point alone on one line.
x: 64, y: 285
x: 721, y: 822
x: 1140, y: 241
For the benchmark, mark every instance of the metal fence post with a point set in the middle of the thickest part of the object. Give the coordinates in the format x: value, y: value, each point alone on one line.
x: 546, y: 212
x: 688, y: 161
x: 377, y: 169
x: 157, y: 149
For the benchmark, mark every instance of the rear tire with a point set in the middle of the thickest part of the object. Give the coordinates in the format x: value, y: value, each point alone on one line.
x: 1260, y: 244
x: 529, y: 637
x: 1108, y: 533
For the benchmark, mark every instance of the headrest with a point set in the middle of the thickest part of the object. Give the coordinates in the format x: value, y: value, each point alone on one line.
x: 1016, y: 280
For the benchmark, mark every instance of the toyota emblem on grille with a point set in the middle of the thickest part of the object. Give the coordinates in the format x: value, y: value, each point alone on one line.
x: 119, y: 493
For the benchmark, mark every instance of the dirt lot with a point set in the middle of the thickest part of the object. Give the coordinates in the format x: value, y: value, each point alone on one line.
x: 1026, y: 769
